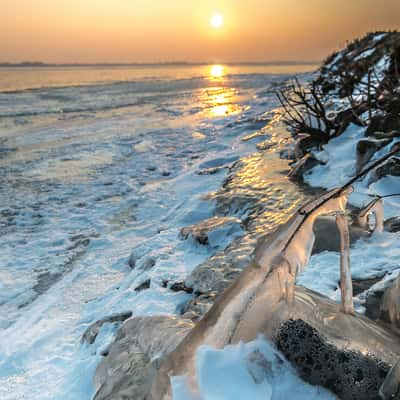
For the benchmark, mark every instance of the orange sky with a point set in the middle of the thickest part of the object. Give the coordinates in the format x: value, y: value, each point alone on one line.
x: 64, y: 31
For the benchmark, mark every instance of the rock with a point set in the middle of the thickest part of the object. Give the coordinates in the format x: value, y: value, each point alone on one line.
x: 210, y: 171
x: 386, y: 135
x: 212, y: 231
x: 392, y: 224
x: 390, y: 167
x: 207, y: 277
x: 375, y: 125
x: 128, y: 370
x: 390, y: 306
x: 394, y: 105
x: 391, y: 122
x: 373, y: 297
x: 145, y: 264
x: 93, y: 330
x: 148, y: 263
x: 390, y: 389
x: 372, y: 304
x: 143, y: 286
x: 195, y: 308
x: 219, y: 162
x: 366, y: 148
x: 178, y: 287
x: 362, y: 285
x: 327, y: 235
x: 132, y: 260
x: 350, y: 375
x: 219, y: 271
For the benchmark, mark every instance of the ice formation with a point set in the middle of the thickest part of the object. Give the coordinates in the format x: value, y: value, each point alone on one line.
x: 346, y: 284
x: 236, y: 316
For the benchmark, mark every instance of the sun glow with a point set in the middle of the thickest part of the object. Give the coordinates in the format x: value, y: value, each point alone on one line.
x: 217, y: 21
x: 217, y: 71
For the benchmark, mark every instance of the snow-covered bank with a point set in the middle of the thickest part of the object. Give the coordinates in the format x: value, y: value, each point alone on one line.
x: 314, y: 333
x: 359, y: 92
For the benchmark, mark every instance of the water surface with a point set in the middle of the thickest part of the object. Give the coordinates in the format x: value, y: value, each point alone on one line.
x: 97, y: 162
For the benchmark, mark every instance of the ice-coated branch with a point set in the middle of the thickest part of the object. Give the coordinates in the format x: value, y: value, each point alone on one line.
x: 298, y: 152
x: 346, y: 285
x: 375, y: 208
x: 313, y: 205
x: 305, y: 110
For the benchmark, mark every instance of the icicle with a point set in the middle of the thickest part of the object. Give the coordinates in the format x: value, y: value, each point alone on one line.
x: 346, y: 284
x: 391, y: 385
x: 289, y: 282
x: 374, y: 208
x: 299, y: 244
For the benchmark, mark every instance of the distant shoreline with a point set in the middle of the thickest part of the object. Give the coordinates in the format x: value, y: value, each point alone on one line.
x: 29, y: 64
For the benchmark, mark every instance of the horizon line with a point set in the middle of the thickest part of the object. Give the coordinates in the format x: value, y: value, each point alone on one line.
x: 162, y: 63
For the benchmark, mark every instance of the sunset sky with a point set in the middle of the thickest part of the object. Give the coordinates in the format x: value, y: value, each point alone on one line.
x: 65, y: 31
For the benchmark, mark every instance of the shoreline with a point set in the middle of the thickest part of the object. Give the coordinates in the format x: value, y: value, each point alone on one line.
x: 202, y: 284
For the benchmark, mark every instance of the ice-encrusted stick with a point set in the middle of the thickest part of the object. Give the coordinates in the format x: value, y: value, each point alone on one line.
x: 346, y: 285
x: 375, y: 208
x: 298, y: 152
x: 299, y: 164
x: 391, y: 385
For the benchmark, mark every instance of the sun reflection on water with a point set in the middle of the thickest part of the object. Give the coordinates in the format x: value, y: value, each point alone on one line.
x: 220, y: 100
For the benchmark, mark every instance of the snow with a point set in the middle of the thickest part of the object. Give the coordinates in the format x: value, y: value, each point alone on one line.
x: 339, y: 156
x: 365, y: 54
x: 254, y: 370
x: 379, y: 37
x: 377, y: 256
x: 374, y: 257
x: 335, y: 60
x: 375, y: 76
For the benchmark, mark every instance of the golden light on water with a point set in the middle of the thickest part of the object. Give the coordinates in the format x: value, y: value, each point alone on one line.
x: 220, y: 100
x: 222, y: 110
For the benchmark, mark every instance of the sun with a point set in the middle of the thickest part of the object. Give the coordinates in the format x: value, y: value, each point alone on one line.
x: 217, y: 21
x: 217, y: 71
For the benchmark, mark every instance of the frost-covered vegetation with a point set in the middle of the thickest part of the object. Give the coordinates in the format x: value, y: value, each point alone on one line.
x: 358, y: 91
x: 358, y: 85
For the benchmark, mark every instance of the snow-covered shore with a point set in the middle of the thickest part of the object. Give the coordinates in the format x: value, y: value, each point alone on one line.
x: 357, y: 90
x: 175, y: 224
x: 361, y: 81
